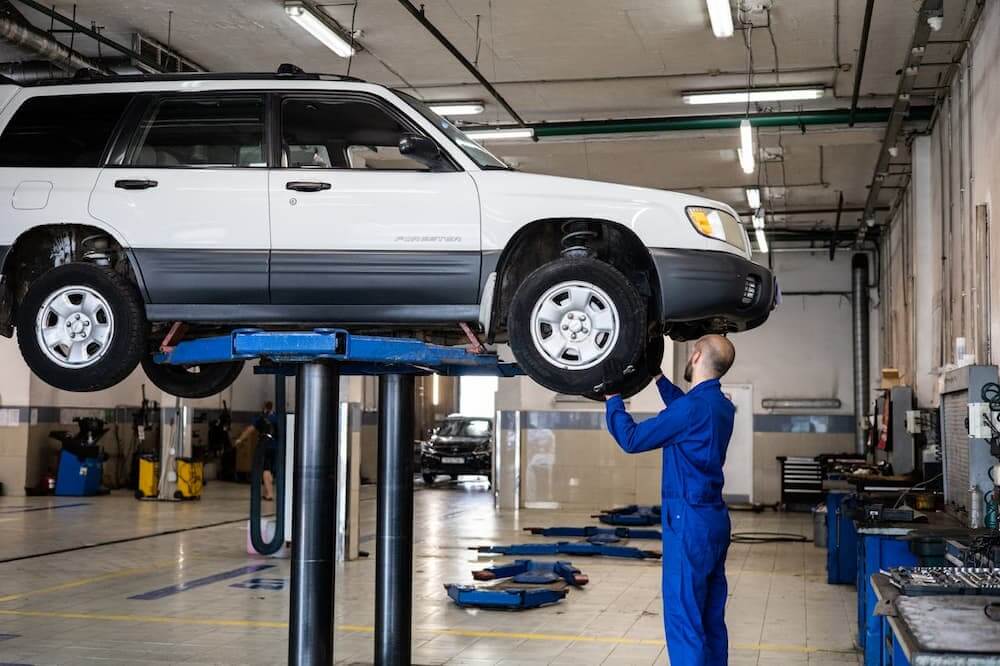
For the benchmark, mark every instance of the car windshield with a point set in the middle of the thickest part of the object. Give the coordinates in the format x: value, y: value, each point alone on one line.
x: 461, y: 428
x: 484, y: 158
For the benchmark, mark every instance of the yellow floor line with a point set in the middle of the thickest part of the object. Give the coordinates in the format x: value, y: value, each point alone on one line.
x: 362, y: 629
x: 89, y: 581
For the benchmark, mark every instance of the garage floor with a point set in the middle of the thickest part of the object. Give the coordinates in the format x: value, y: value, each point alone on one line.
x: 195, y: 597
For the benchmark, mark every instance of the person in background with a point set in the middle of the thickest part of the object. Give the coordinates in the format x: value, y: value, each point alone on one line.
x: 265, y: 425
x: 693, y: 433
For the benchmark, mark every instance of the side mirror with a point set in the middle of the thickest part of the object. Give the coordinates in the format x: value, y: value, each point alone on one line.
x: 420, y: 148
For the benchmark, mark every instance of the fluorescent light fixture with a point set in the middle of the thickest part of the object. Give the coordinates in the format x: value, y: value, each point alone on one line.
x: 761, y: 241
x: 435, y: 389
x: 501, y: 134
x: 721, y: 15
x: 755, y: 95
x: 753, y: 197
x: 758, y: 219
x: 457, y: 108
x: 320, y: 28
x: 746, y: 146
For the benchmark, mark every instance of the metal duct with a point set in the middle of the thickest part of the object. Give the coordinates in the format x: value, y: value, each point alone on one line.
x: 800, y: 403
x: 27, y: 71
x: 38, y: 42
x: 859, y: 301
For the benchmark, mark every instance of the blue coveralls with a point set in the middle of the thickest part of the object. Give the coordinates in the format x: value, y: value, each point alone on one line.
x: 693, y: 432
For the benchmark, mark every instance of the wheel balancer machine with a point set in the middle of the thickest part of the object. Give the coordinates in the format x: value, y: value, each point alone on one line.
x: 321, y: 357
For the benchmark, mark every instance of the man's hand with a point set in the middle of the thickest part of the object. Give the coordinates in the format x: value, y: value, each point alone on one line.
x: 615, y: 373
x: 653, y: 365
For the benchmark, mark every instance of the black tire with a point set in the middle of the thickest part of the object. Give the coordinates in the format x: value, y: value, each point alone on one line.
x: 127, y: 340
x: 652, y: 356
x: 454, y: 477
x: 623, y: 295
x: 178, y: 494
x: 429, y: 479
x: 138, y: 494
x: 192, y: 381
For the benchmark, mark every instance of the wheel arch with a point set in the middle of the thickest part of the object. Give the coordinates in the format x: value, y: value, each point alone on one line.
x: 542, y: 240
x: 45, y: 246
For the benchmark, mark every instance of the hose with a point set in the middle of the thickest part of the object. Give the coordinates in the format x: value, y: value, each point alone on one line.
x: 768, y: 537
x: 256, y: 476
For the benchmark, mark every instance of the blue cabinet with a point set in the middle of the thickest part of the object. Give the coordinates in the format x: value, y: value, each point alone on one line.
x: 876, y: 552
x: 842, y: 540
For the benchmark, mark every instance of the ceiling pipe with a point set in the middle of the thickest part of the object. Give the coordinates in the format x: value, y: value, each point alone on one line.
x: 28, y: 71
x: 801, y: 119
x: 93, y: 34
x: 41, y: 44
x: 901, y: 106
x: 445, y: 42
x: 859, y: 69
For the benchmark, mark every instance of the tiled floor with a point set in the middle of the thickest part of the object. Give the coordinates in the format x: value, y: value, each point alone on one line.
x: 80, y: 606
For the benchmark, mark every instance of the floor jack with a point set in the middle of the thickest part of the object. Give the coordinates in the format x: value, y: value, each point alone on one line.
x: 524, y: 584
x: 630, y: 516
x: 319, y: 358
x: 596, y: 534
x: 583, y: 548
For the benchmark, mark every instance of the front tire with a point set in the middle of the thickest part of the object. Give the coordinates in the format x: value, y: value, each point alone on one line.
x: 571, y: 315
x: 81, y: 327
x: 429, y: 478
x: 640, y: 378
x: 192, y: 381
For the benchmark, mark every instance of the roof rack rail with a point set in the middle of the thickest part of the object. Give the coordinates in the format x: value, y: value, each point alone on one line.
x: 285, y: 72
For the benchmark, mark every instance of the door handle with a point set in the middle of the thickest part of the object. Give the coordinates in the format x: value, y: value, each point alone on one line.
x: 135, y: 184
x: 306, y: 186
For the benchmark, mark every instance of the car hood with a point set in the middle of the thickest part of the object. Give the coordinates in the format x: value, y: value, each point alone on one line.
x: 458, y: 443
x: 511, y: 199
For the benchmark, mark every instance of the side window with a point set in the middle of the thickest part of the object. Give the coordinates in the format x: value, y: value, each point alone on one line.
x: 202, y: 132
x: 349, y: 133
x: 61, y: 130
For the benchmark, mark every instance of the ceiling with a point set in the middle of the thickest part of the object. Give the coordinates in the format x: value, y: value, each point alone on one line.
x: 560, y: 60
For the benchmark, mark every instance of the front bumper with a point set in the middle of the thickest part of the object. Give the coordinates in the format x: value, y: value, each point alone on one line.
x: 699, y: 285
x: 480, y: 465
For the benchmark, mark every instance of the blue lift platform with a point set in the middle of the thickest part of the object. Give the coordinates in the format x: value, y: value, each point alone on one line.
x: 319, y: 357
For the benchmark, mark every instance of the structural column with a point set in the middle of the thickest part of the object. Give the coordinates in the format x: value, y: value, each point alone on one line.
x: 394, y: 544
x: 310, y: 626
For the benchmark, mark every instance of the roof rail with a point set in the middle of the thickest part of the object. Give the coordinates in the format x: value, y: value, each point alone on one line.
x: 285, y: 72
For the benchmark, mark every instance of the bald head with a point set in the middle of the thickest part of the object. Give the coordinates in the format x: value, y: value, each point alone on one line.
x: 717, y: 354
x: 711, y: 357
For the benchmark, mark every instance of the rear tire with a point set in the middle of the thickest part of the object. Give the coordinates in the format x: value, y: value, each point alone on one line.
x: 571, y: 315
x: 429, y: 479
x: 192, y: 381
x: 81, y: 327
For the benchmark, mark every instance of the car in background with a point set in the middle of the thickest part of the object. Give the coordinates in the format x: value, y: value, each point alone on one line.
x: 459, y: 445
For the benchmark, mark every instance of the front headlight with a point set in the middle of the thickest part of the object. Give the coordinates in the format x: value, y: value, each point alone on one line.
x: 707, y: 222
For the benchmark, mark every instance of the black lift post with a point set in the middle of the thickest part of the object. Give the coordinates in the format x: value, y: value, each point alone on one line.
x: 394, y: 530
x: 314, y: 497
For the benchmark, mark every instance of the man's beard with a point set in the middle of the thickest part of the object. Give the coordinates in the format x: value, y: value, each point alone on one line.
x: 688, y: 372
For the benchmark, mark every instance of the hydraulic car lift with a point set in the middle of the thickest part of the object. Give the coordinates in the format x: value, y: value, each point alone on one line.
x: 528, y: 584
x: 320, y: 357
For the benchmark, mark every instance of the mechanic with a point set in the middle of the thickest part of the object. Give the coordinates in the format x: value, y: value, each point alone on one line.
x: 694, y: 432
x: 265, y: 425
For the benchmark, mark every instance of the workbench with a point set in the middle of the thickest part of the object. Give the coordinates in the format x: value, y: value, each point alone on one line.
x: 883, y: 546
x: 935, y: 630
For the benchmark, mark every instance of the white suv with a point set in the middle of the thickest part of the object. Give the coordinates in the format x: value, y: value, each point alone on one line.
x: 190, y: 204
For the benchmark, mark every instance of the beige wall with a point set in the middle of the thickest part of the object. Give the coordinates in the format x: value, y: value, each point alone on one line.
x: 953, y: 250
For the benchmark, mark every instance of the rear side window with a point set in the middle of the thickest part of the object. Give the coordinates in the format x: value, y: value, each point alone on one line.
x: 207, y: 132
x: 61, y: 130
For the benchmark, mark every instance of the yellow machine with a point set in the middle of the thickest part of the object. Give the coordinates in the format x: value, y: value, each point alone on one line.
x: 149, y: 476
x: 190, y: 478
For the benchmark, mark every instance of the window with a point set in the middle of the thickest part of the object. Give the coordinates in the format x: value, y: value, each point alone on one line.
x: 347, y: 133
x: 477, y: 428
x: 203, y: 132
x: 484, y: 158
x: 61, y: 130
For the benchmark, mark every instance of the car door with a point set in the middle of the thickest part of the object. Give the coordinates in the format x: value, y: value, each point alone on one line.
x: 356, y: 224
x: 188, y: 190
